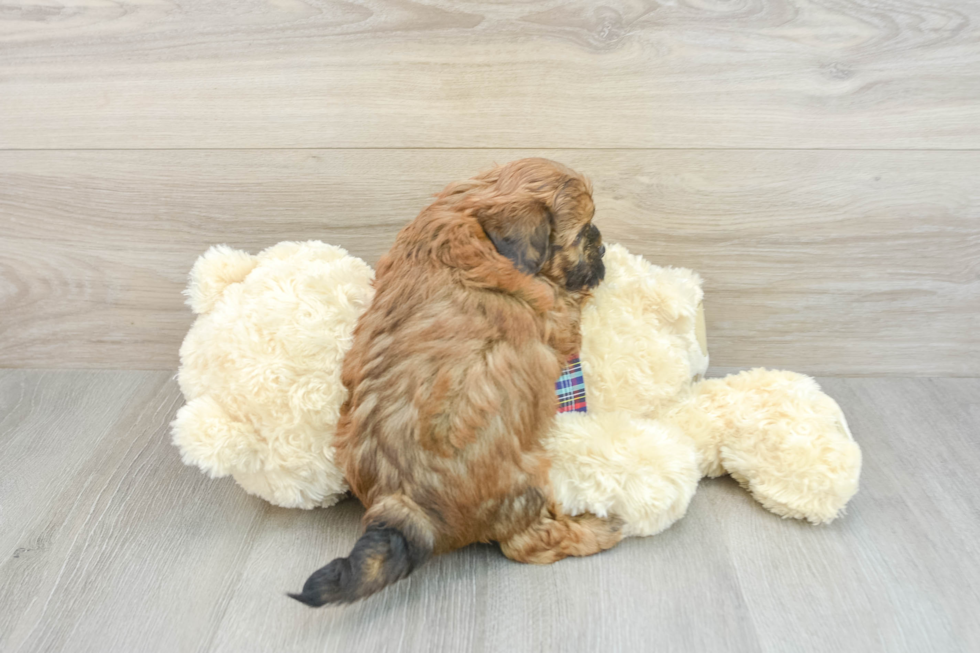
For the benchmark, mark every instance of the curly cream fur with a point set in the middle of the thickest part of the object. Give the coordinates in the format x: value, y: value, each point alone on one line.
x: 612, y: 464
x: 260, y: 370
x: 779, y: 436
x: 639, y: 348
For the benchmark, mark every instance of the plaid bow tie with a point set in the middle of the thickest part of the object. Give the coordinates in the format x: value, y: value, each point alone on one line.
x: 570, y: 387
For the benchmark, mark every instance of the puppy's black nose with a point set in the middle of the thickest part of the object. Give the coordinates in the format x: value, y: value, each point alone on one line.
x: 602, y: 250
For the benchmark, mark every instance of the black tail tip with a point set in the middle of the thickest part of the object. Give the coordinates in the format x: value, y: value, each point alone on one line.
x: 331, y: 584
x: 312, y: 599
x: 380, y: 557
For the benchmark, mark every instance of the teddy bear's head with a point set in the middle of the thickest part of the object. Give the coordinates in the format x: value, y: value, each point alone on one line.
x: 641, y: 342
x: 260, y: 368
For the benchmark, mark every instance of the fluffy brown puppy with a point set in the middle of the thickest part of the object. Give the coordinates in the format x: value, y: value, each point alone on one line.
x: 451, y: 379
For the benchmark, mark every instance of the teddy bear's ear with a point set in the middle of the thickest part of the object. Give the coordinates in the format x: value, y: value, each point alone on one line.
x: 214, y: 271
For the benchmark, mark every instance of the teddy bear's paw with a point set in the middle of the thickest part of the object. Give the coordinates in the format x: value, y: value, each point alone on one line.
x: 612, y: 465
x: 211, y: 440
x: 215, y: 270
x: 799, y: 460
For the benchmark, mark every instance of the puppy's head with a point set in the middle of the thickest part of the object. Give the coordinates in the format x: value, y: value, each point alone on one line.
x: 538, y: 214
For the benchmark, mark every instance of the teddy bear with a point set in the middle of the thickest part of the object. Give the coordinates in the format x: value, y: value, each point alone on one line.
x: 260, y: 372
x: 260, y: 367
x: 655, y: 426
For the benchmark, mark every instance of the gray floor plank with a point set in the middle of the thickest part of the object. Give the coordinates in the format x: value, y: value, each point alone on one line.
x: 110, y: 551
x: 109, y: 543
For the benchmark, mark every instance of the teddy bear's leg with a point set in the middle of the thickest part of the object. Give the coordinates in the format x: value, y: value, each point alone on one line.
x: 703, y: 415
x: 641, y: 471
x: 780, y: 437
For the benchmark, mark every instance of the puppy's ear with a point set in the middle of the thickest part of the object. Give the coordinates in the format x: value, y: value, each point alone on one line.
x: 520, y: 231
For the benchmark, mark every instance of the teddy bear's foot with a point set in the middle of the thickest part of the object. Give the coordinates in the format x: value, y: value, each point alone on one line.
x: 613, y: 465
x: 789, y: 445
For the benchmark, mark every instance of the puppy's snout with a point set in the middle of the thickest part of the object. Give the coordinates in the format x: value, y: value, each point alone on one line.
x: 596, y: 237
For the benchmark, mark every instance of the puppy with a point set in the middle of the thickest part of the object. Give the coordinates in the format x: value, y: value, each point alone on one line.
x: 451, y: 380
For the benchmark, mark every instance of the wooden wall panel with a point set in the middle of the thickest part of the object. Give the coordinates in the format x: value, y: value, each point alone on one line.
x: 546, y: 73
x: 821, y: 261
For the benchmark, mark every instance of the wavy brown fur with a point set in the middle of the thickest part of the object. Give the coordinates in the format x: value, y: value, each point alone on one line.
x: 451, y: 379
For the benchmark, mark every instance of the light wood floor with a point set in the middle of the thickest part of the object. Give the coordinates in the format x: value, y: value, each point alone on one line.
x: 108, y: 543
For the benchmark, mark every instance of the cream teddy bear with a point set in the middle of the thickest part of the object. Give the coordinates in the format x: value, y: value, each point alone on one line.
x: 654, y: 427
x: 260, y: 367
x: 260, y: 370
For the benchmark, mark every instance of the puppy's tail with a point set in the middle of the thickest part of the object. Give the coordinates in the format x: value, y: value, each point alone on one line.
x: 398, y: 538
